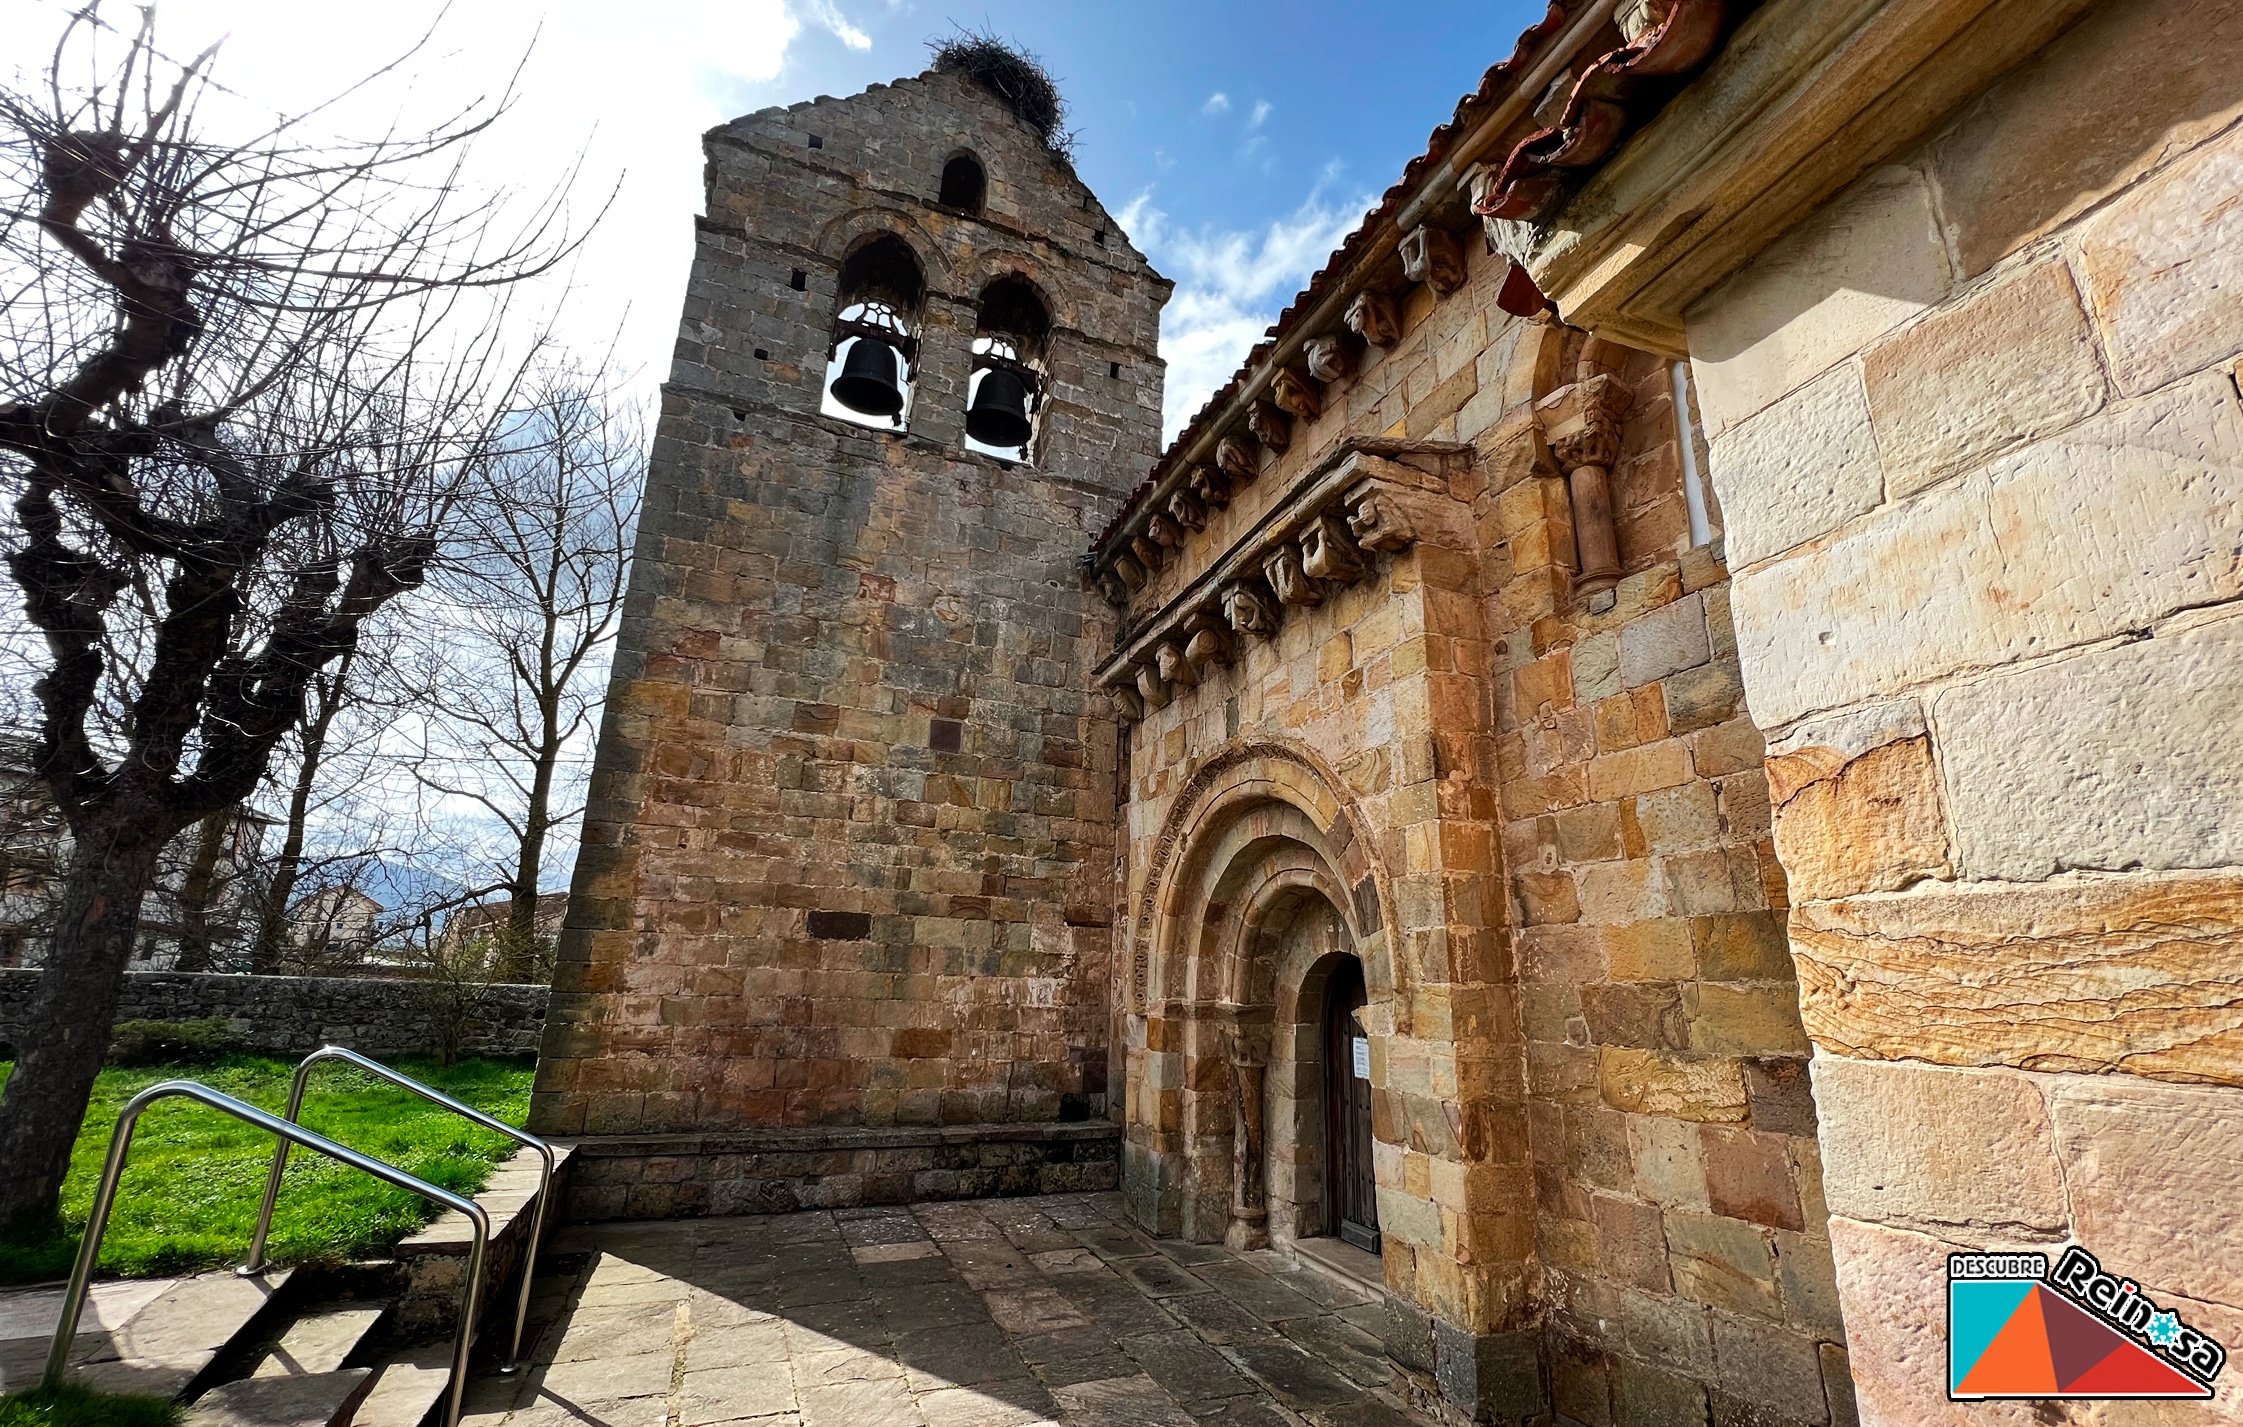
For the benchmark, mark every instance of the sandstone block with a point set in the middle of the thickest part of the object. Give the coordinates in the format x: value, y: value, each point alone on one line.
x: 1800, y: 469
x: 1723, y: 1263
x: 1645, y: 1396
x: 2107, y: 527
x: 1669, y: 639
x: 1748, y: 1176
x: 1856, y: 269
x: 1704, y: 696
x: 1670, y: 1332
x: 1770, y: 1367
x: 1670, y: 1166
x: 1647, y: 1082
x: 1631, y: 1245
x: 1781, y: 1095
x: 2164, y: 268
x: 1937, y: 1149
x: 2131, y: 762
x: 2132, y: 973
x: 1999, y: 368
x: 1872, y: 825
x: 1756, y: 1019
x: 1810, y: 1282
x: 2151, y: 1171
x: 1655, y: 950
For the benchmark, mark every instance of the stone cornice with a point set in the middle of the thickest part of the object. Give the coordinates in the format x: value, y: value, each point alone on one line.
x: 1804, y: 98
x: 1361, y: 499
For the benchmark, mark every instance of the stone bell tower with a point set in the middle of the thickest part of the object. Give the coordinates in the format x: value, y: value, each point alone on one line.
x: 849, y: 856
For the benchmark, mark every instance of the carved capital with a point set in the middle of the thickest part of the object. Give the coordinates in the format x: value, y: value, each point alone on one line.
x: 1184, y: 508
x: 1376, y: 520
x: 1330, y: 358
x: 1240, y: 457
x: 1272, y: 427
x: 1432, y: 255
x: 1582, y: 421
x: 1371, y: 316
x: 1249, y: 610
x: 1328, y: 552
x: 1297, y: 394
x: 1282, y: 568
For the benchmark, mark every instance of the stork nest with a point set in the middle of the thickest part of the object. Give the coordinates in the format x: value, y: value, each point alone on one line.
x: 1014, y: 76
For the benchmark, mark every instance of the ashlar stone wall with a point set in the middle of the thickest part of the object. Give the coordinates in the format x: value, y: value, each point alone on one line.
x: 1976, y: 428
x: 1539, y: 817
x: 848, y: 858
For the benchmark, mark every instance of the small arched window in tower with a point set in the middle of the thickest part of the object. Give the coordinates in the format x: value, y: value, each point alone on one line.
x: 963, y: 185
x: 875, y: 335
x: 1006, y: 389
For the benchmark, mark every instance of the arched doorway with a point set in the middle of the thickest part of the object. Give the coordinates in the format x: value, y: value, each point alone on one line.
x: 1350, y: 1189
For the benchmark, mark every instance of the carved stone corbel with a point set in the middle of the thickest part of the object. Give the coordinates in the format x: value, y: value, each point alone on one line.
x: 1184, y: 508
x: 1272, y: 427
x: 1112, y: 590
x: 1282, y: 568
x: 1151, y: 556
x: 1330, y: 358
x: 1127, y: 704
x: 1211, y: 486
x: 1432, y: 255
x: 1328, y: 552
x: 1582, y: 424
x: 1208, y: 642
x: 1297, y: 394
x: 1377, y: 520
x: 1240, y: 457
x: 1130, y: 573
x: 1371, y: 316
x: 1248, y: 610
x: 1164, y: 532
x: 1175, y: 670
x: 1150, y: 688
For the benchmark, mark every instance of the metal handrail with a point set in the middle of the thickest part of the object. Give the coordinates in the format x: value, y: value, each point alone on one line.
x: 256, y: 1262
x: 120, y: 1142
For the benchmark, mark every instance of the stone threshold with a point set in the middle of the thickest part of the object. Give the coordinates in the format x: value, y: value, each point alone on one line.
x: 1339, y: 1260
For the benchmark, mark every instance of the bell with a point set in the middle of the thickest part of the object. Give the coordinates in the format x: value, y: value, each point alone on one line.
x: 868, y: 379
x: 999, y: 416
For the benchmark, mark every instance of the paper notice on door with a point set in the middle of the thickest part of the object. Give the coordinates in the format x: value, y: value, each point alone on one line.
x: 1362, y: 1058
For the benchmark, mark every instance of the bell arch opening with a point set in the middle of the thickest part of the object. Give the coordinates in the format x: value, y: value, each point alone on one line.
x: 964, y: 186
x: 873, y: 356
x: 1006, y: 390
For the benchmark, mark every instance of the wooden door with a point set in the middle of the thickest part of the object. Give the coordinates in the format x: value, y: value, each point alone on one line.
x: 1351, y: 1194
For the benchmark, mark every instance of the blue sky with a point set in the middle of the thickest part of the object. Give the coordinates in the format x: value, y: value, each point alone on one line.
x: 1237, y: 142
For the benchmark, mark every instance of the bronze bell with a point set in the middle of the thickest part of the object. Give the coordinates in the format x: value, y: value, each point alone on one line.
x: 999, y: 415
x: 868, y: 379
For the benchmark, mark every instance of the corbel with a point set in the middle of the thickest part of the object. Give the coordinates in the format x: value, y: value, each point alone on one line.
x: 1184, y: 508
x: 1150, y: 688
x: 1240, y: 457
x: 1151, y: 556
x: 1431, y: 254
x: 1210, y: 642
x: 1376, y: 519
x: 1328, y: 552
x: 1130, y: 573
x: 1270, y: 425
x: 1297, y: 394
x: 1211, y: 486
x: 1330, y: 358
x: 1282, y: 568
x: 1371, y: 316
x: 1249, y: 610
x: 1164, y: 532
x: 1112, y: 590
x: 1127, y: 703
x: 1175, y: 670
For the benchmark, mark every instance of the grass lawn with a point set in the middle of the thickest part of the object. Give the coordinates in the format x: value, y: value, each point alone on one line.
x: 76, y: 1407
x: 190, y: 1192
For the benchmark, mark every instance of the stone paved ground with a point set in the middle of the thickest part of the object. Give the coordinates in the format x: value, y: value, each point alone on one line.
x: 991, y: 1313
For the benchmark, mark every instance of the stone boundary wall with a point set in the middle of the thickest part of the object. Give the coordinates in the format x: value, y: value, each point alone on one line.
x: 293, y: 1015
x: 774, y: 1171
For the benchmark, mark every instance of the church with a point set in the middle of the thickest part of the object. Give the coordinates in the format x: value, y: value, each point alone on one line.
x: 1660, y: 760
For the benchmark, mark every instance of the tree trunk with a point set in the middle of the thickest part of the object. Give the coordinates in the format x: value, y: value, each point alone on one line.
x: 518, y: 958
x: 200, y: 890
x: 66, y: 1031
x: 272, y: 917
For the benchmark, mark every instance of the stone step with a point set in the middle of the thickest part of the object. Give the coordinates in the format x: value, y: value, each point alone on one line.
x: 150, y: 1338
x: 307, y: 1400
x: 319, y: 1342
x: 407, y: 1388
x: 434, y: 1261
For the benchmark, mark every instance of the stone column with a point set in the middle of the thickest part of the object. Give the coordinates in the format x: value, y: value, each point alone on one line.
x: 1246, y: 1048
x: 1582, y: 423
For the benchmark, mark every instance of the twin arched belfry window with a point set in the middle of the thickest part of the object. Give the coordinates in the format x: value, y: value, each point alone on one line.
x: 874, y: 361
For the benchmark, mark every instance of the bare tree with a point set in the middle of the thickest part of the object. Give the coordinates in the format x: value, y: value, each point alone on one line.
x: 241, y: 384
x: 533, y: 591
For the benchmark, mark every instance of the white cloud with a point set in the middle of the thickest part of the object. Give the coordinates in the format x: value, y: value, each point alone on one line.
x: 1230, y: 286
x: 829, y: 15
x: 1217, y: 103
x: 1261, y: 112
